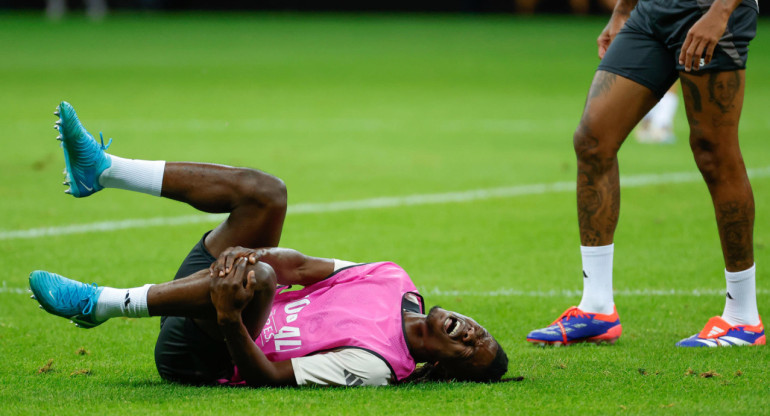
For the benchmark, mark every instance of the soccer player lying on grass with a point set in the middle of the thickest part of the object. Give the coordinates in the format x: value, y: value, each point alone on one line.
x: 226, y: 317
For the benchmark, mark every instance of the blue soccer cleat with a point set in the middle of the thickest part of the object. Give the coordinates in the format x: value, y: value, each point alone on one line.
x: 719, y: 333
x: 66, y: 297
x: 575, y: 326
x: 84, y: 158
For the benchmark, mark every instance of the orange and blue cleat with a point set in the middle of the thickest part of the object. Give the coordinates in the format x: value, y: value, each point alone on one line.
x: 575, y: 326
x: 719, y: 333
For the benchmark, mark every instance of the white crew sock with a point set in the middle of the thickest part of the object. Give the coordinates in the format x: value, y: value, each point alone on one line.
x: 741, y: 298
x: 662, y: 115
x: 597, y: 279
x: 134, y: 175
x: 131, y: 303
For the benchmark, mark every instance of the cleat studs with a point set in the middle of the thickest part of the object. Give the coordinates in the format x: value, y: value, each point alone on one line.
x: 33, y: 297
x: 68, y: 192
x: 65, y: 183
x: 59, y: 138
x: 40, y: 306
x: 56, y: 112
x: 56, y: 127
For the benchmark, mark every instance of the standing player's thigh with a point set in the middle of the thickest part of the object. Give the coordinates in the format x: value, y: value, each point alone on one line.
x: 634, y: 73
x: 713, y: 102
x: 635, y: 54
x: 615, y: 105
x: 713, y: 96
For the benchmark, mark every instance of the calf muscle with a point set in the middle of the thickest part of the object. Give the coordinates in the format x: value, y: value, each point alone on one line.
x: 613, y: 107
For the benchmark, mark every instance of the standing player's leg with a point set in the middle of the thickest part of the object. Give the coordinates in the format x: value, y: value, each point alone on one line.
x: 636, y: 70
x: 614, y: 106
x: 714, y: 102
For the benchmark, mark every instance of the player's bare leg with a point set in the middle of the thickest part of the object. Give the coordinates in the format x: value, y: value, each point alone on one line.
x: 256, y: 202
x: 614, y: 106
x: 714, y: 102
x: 187, y: 297
x: 190, y: 297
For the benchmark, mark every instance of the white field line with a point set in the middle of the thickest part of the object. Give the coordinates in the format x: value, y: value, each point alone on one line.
x: 504, y: 292
x: 327, y: 124
x: 363, y: 204
x: 567, y: 293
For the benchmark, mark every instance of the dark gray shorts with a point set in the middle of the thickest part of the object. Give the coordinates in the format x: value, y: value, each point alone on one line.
x: 184, y: 353
x: 647, y: 49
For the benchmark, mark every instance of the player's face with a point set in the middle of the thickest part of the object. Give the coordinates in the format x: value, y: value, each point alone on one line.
x: 459, y: 342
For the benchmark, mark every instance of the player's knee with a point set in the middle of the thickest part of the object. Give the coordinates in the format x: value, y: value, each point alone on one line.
x: 591, y: 151
x: 264, y: 277
x: 277, y: 195
x: 715, y: 161
x: 268, y: 190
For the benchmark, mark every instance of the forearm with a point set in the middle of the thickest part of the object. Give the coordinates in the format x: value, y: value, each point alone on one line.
x: 624, y: 7
x: 291, y: 267
x: 253, y: 365
x: 294, y: 268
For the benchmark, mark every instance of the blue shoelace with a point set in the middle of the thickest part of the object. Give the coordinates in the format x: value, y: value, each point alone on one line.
x: 75, y: 294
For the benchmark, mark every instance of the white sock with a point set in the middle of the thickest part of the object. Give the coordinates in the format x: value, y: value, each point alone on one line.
x: 134, y: 175
x: 597, y: 279
x: 662, y: 115
x: 741, y: 298
x: 131, y: 303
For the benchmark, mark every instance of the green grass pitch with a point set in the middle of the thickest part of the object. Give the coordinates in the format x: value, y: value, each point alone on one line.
x: 351, y: 108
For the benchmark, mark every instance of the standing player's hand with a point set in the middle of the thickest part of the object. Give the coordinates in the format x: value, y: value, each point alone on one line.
x: 616, y: 23
x: 230, y: 294
x: 702, y: 37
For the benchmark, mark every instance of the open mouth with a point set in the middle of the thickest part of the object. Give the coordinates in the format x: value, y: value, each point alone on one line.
x: 452, y: 326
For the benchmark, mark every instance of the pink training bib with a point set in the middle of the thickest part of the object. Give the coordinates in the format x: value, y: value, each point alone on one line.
x: 358, y: 306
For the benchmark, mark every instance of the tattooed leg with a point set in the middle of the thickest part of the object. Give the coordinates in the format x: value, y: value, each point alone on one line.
x: 613, y: 107
x: 714, y: 102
